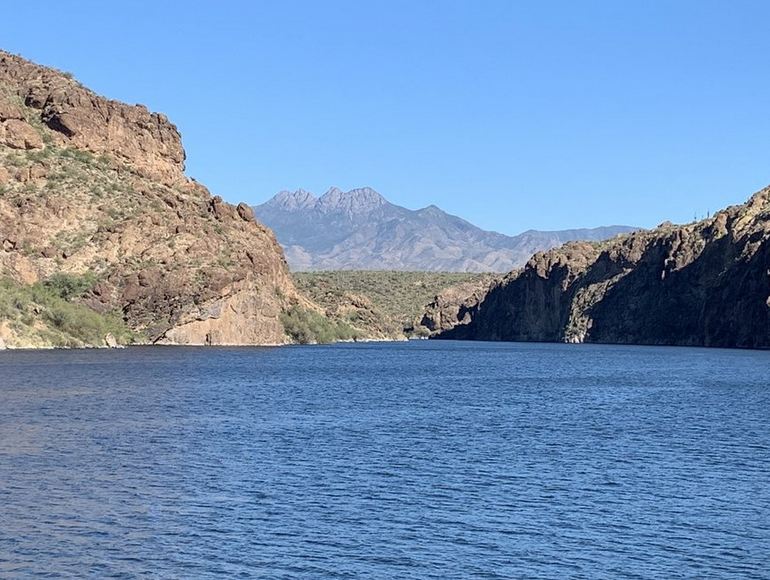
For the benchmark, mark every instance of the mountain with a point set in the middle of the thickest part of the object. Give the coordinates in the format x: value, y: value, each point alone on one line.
x: 361, y: 230
x: 706, y: 283
x: 100, y: 229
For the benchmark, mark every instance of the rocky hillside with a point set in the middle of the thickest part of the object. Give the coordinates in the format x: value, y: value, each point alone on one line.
x: 95, y: 190
x: 361, y: 230
x: 454, y: 305
x: 382, y: 305
x: 705, y: 283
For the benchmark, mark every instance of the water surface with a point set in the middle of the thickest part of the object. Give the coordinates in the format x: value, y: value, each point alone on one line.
x: 417, y: 460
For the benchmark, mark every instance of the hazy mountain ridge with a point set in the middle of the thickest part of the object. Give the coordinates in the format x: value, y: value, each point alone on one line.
x: 361, y: 230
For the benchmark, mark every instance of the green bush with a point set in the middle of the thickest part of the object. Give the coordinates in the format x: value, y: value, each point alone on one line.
x: 84, y: 324
x: 308, y: 326
x: 80, y: 155
x: 69, y: 286
x: 43, y: 311
x: 398, y: 298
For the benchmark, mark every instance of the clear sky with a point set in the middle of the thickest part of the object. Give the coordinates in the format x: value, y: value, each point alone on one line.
x: 513, y: 115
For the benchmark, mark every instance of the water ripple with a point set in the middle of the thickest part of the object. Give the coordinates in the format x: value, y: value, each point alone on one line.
x: 420, y: 460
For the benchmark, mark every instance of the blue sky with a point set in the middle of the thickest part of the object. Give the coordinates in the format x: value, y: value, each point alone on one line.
x: 513, y: 115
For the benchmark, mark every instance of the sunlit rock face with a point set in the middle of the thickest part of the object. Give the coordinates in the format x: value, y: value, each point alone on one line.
x: 91, y: 185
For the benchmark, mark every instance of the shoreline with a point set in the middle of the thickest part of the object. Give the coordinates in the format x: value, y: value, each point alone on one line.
x: 375, y: 340
x: 7, y: 347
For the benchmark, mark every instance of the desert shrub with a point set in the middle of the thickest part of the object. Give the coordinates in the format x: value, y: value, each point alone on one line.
x: 69, y: 286
x: 308, y: 326
x: 15, y: 160
x: 84, y: 324
x: 64, y: 323
x: 420, y: 332
x: 40, y: 154
x: 80, y: 155
x: 398, y: 298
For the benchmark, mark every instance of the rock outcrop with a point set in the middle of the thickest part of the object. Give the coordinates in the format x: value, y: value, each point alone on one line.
x: 94, y: 186
x: 146, y: 142
x: 705, y: 283
x: 453, y: 306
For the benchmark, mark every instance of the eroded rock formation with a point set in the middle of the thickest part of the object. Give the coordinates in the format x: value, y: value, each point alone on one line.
x: 705, y: 283
x: 453, y: 306
x: 91, y: 185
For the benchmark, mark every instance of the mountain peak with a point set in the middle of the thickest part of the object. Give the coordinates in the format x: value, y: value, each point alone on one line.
x: 360, y: 230
x: 431, y: 210
x: 355, y: 201
x: 333, y: 191
x: 294, y: 200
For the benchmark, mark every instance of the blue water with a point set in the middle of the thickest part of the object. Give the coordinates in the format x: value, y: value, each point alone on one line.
x: 418, y: 460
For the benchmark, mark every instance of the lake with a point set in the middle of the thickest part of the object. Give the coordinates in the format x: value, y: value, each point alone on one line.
x: 396, y: 460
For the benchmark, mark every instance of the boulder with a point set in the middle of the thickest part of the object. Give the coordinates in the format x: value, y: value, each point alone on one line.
x: 10, y: 110
x: 245, y: 212
x: 21, y: 135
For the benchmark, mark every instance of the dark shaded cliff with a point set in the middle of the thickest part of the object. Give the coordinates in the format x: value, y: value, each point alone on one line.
x: 706, y: 283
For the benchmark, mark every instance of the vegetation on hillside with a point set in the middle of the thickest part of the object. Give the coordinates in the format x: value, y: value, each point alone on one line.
x: 306, y: 326
x: 46, y: 314
x: 379, y: 304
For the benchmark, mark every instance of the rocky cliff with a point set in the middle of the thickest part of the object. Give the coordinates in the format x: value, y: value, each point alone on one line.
x: 705, y: 283
x: 93, y: 187
x: 454, y: 306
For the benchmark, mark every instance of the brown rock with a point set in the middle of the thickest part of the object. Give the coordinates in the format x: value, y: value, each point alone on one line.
x: 82, y: 119
x: 453, y: 306
x: 131, y: 292
x: 9, y: 110
x: 21, y: 135
x: 37, y: 172
x: 148, y: 278
x: 246, y: 213
x: 218, y: 208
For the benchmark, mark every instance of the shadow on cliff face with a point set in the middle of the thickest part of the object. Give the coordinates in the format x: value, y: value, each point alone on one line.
x: 525, y: 308
x: 637, y: 293
x: 718, y: 299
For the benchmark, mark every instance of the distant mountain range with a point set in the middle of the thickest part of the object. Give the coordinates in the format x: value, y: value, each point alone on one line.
x: 361, y: 230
